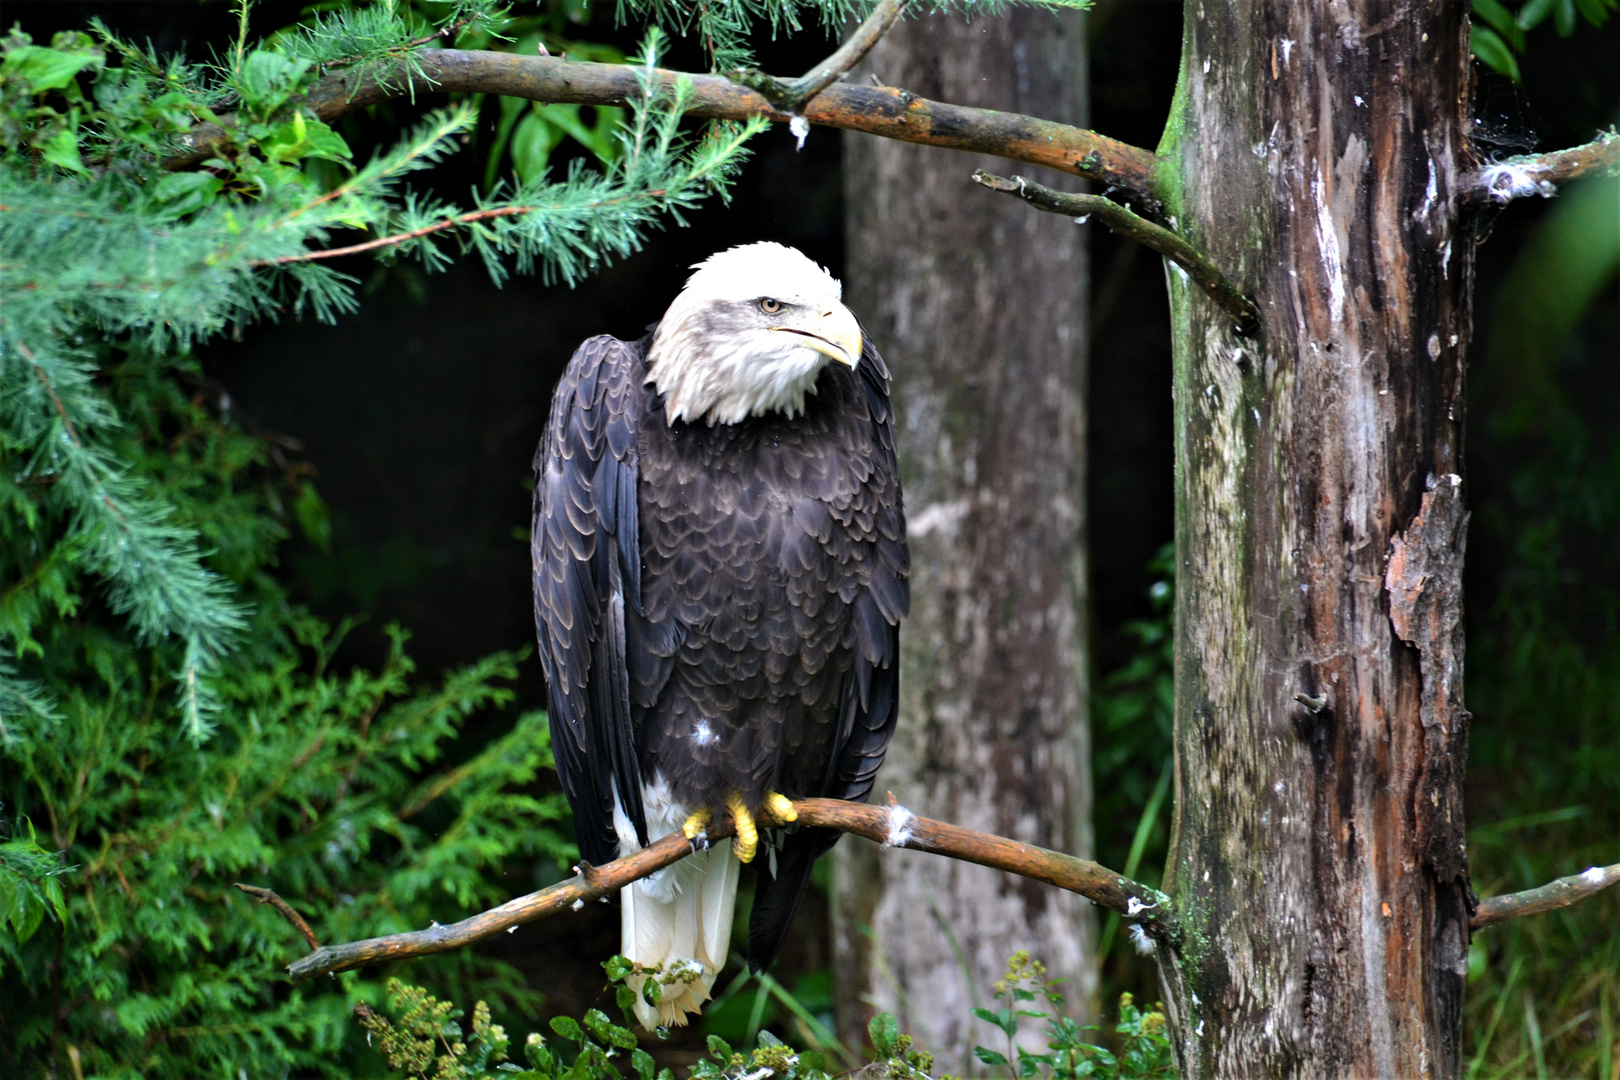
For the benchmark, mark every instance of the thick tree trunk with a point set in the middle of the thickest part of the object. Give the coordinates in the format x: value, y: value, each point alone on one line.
x: 978, y: 304
x: 1313, y: 152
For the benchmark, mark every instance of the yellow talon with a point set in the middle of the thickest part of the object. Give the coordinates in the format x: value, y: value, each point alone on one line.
x: 697, y: 824
x: 780, y: 807
x: 746, y: 843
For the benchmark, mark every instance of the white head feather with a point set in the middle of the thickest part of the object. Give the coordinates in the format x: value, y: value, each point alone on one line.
x: 749, y: 334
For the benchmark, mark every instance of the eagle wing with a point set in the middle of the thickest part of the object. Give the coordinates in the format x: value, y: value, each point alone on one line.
x: 587, y: 586
x: 870, y: 700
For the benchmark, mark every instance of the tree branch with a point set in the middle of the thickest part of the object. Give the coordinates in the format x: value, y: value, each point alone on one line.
x: 890, y: 826
x: 877, y: 110
x: 1540, y: 174
x: 268, y: 896
x: 1135, y: 227
x: 1549, y: 897
x: 792, y: 96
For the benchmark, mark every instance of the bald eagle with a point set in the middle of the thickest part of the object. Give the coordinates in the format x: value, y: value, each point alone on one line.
x: 720, y: 573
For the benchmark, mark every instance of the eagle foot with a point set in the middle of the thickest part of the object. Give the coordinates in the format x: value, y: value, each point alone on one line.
x: 778, y: 809
x: 696, y: 830
x: 746, y: 842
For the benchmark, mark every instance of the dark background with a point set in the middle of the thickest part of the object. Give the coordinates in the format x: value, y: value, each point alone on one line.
x: 420, y: 413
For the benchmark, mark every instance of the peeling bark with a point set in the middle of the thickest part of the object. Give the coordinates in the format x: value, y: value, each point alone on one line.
x: 978, y: 306
x: 1315, y: 153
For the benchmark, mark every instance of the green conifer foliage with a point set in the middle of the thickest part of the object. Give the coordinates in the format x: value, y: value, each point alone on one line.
x: 99, y: 241
x: 324, y: 786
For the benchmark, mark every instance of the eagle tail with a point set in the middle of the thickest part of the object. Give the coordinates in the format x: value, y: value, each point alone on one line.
x: 679, y: 921
x: 777, y: 896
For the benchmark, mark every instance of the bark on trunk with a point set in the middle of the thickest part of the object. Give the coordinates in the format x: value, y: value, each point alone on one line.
x: 978, y: 304
x: 1318, y: 855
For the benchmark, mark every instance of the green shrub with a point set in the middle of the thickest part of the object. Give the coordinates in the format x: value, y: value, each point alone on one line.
x: 124, y: 949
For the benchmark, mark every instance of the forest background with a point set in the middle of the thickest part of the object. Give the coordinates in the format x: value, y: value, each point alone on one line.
x: 374, y: 470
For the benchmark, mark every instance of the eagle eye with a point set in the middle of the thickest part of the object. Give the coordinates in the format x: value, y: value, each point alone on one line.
x: 769, y: 305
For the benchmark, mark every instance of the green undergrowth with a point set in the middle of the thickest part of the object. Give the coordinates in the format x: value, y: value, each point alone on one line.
x: 1544, y: 649
x: 424, y: 1037
x: 125, y: 950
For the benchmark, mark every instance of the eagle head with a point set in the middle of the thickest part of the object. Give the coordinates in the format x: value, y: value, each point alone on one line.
x: 749, y: 334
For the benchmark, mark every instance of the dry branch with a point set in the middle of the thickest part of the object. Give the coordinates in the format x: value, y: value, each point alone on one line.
x: 1549, y: 897
x: 792, y: 96
x: 1540, y: 174
x: 1135, y: 227
x: 877, y: 110
x: 891, y: 826
x: 268, y: 896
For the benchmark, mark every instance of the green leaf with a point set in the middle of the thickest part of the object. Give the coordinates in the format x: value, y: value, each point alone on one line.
x: 532, y: 142
x: 1500, y: 19
x: 268, y: 79
x: 1003, y: 1019
x: 719, y: 1048
x: 1596, y: 12
x: 304, y: 138
x: 643, y: 1063
x: 1564, y: 17
x: 568, y: 1028
x: 1535, y: 13
x: 989, y: 1057
x: 1492, y: 51
x: 884, y: 1032
x: 314, y: 518
x: 62, y: 150
x: 651, y: 992
x: 182, y: 193
x: 617, y: 967
x: 608, y: 1031
x: 46, y: 69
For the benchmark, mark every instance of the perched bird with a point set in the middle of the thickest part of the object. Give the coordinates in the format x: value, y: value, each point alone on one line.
x: 720, y: 572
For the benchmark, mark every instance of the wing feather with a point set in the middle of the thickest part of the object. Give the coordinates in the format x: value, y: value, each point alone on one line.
x: 587, y: 569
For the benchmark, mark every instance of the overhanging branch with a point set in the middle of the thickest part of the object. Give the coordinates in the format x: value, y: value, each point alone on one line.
x: 791, y: 96
x: 877, y: 110
x: 1135, y: 227
x: 890, y: 826
x: 1540, y: 174
x: 1549, y: 897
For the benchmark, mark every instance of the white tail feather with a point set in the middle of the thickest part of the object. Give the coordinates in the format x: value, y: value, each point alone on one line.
x: 681, y: 923
x: 678, y: 919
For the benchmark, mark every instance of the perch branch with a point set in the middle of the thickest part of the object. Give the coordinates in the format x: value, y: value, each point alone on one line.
x: 1133, y: 226
x: 268, y: 896
x: 1540, y: 174
x: 792, y: 96
x: 891, y: 826
x: 876, y: 110
x: 1549, y: 897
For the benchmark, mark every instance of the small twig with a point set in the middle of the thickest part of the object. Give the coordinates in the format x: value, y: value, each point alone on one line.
x: 890, y: 826
x: 1540, y: 174
x: 1133, y: 226
x: 268, y: 896
x: 791, y: 96
x: 398, y: 238
x: 1549, y: 897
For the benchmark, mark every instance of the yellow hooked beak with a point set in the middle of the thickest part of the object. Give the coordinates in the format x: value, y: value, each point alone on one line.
x: 833, y: 333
